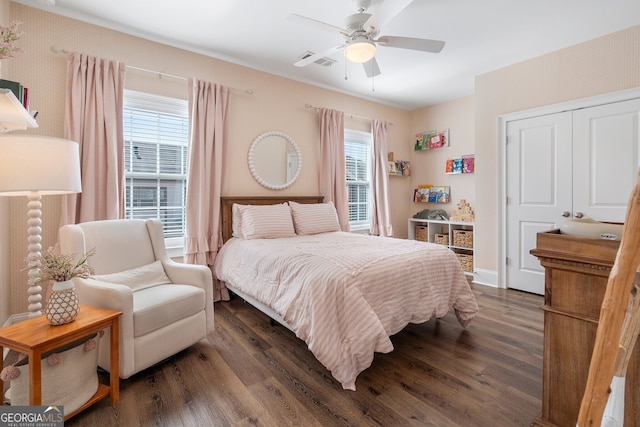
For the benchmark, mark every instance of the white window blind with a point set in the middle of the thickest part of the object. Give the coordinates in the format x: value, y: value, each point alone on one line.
x: 357, y: 148
x: 156, y: 133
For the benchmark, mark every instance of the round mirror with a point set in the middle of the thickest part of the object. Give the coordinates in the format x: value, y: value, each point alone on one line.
x: 275, y: 160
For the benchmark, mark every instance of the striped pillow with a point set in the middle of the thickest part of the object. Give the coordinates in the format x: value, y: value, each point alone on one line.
x: 314, y: 218
x: 266, y: 222
x: 236, y: 220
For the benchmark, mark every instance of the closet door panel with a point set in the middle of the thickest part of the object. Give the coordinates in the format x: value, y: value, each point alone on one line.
x: 605, y: 151
x: 538, y: 191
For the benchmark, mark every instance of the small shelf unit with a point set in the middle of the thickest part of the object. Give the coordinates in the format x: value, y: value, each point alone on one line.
x: 13, y: 116
x: 457, y: 236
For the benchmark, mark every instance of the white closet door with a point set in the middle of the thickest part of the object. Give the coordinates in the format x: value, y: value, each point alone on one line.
x: 605, y: 146
x: 539, y: 191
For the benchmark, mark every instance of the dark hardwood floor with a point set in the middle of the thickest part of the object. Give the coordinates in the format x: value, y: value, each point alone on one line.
x: 250, y: 373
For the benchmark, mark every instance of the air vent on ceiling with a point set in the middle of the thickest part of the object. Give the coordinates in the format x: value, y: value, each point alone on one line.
x: 324, y: 61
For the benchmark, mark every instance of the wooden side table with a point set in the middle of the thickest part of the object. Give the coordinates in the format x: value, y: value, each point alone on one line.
x: 36, y: 336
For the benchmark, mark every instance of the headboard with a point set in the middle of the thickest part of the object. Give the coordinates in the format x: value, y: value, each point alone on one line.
x: 226, y: 207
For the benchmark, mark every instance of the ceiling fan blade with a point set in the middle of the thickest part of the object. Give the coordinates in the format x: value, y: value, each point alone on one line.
x: 312, y: 58
x: 371, y: 68
x: 425, y: 45
x: 299, y: 19
x: 386, y: 11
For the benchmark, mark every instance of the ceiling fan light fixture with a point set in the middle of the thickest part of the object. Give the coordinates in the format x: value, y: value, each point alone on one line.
x: 360, y: 51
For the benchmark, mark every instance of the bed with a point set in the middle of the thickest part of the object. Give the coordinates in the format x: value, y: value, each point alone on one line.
x: 344, y: 294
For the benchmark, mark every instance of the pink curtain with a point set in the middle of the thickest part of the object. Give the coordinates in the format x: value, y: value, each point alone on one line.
x: 381, y: 218
x: 333, y: 182
x: 208, y: 104
x: 93, y: 118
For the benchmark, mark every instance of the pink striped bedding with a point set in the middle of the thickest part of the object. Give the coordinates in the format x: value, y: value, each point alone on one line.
x: 344, y: 294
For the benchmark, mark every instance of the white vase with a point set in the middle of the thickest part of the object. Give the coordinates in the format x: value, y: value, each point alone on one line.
x: 63, y: 305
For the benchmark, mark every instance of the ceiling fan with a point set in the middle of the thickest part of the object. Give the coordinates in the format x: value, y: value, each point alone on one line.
x: 360, y: 34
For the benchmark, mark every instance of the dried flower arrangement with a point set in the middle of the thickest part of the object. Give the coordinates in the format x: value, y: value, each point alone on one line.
x: 61, y: 267
x: 9, y: 35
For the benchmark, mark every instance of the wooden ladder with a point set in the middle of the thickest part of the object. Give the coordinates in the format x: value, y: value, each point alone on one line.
x: 618, y: 327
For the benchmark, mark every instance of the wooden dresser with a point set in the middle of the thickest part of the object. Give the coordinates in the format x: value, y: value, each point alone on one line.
x: 576, y: 273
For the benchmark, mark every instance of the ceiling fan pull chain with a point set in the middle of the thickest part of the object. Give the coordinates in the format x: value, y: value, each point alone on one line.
x: 373, y: 79
x: 345, y: 70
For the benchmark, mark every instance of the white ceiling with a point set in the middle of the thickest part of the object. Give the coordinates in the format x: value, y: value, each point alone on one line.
x: 480, y: 36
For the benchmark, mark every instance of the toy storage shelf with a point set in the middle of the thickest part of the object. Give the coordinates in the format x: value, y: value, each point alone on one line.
x: 457, y: 236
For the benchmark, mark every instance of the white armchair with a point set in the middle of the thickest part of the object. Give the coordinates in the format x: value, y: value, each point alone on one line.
x: 166, y: 306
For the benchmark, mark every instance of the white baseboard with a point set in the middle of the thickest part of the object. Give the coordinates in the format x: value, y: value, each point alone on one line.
x: 485, y: 277
x: 14, y: 318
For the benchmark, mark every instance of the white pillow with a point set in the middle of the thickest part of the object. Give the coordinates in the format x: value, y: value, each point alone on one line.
x: 314, y: 218
x: 138, y: 278
x: 266, y: 222
x: 236, y: 220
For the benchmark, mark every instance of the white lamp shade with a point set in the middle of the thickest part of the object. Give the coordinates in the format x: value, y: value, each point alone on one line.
x: 360, y: 51
x: 30, y: 163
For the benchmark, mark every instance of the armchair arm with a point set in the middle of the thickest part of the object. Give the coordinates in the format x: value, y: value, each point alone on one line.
x: 115, y: 297
x: 192, y: 274
x: 196, y: 275
x: 103, y: 294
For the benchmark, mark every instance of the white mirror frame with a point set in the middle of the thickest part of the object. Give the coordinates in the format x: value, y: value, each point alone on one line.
x: 252, y: 166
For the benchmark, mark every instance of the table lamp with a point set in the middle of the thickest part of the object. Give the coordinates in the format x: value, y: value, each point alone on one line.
x: 33, y: 166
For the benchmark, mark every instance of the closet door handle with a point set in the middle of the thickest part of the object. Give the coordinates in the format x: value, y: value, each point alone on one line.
x: 579, y: 215
x: 566, y: 214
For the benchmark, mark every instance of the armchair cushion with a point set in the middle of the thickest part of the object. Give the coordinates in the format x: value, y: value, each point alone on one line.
x: 158, y: 306
x: 138, y: 278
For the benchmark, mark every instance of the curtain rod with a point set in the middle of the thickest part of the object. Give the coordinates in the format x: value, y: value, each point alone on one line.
x: 59, y: 51
x: 351, y: 115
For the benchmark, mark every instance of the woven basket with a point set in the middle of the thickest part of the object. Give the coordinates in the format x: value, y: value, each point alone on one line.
x: 463, y: 238
x: 71, y: 383
x: 422, y: 233
x: 441, y: 239
x: 466, y: 262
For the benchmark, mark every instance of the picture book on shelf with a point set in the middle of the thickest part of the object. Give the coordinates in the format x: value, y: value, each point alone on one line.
x: 436, y: 141
x: 439, y: 194
x: 468, y: 163
x: 457, y: 165
x: 392, y: 168
x: 421, y: 194
x: 403, y: 167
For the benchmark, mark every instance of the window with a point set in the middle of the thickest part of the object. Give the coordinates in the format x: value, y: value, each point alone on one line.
x: 156, y: 133
x: 357, y: 150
